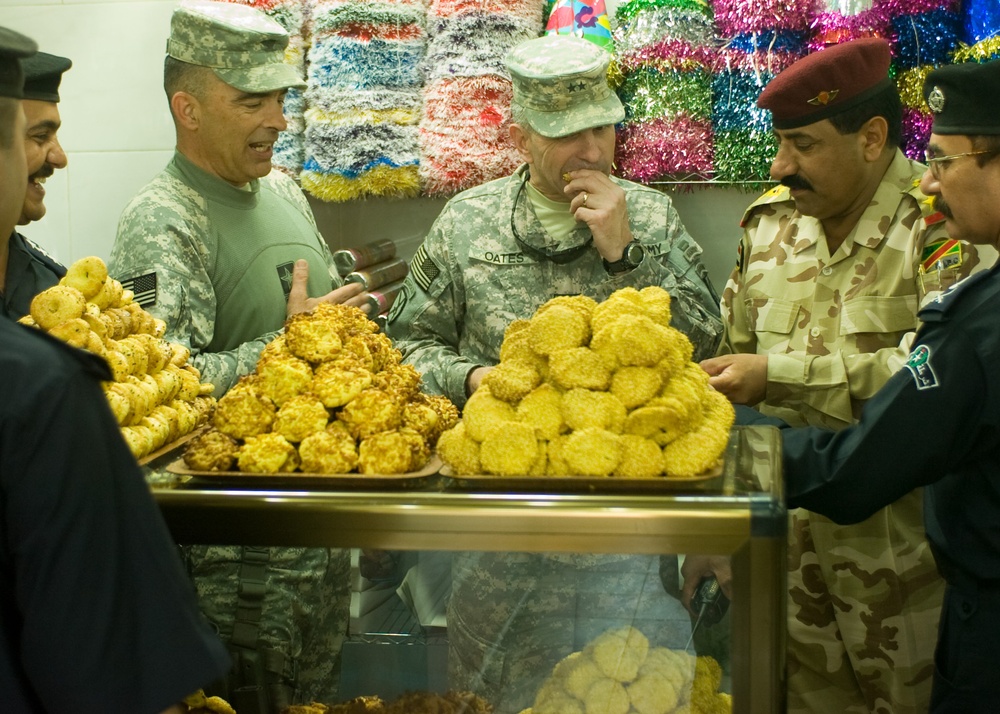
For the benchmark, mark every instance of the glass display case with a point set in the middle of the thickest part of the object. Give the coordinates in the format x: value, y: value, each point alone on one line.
x: 443, y: 524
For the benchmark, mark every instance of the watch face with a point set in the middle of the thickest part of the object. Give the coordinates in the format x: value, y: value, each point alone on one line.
x: 634, y: 253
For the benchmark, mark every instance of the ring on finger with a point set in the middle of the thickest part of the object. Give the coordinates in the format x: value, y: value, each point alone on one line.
x: 585, y: 197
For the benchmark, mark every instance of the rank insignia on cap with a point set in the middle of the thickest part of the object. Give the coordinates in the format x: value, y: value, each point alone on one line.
x: 935, y: 100
x: 824, y: 98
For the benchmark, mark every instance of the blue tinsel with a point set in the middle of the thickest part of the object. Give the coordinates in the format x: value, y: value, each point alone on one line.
x: 347, y: 63
x: 734, y: 102
x: 925, y: 38
x: 780, y: 41
x: 980, y: 20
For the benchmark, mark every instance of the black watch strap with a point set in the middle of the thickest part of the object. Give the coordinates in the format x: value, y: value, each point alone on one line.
x: 631, y: 257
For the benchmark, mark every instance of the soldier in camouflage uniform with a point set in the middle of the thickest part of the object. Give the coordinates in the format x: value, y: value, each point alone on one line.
x: 222, y: 248
x: 819, y: 313
x: 560, y: 225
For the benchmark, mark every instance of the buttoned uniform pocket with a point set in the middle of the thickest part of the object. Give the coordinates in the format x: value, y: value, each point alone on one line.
x: 772, y: 315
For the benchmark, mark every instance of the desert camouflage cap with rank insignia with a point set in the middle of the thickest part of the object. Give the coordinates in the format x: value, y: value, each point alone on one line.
x: 13, y: 48
x: 244, y: 47
x: 561, y: 83
x: 965, y: 98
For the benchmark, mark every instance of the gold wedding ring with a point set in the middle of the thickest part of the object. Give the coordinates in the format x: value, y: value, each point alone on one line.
x: 585, y: 197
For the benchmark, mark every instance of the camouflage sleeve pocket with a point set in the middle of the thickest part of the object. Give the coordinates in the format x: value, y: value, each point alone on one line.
x: 875, y: 314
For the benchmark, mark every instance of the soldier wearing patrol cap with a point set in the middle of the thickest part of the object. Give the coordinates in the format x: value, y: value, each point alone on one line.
x: 224, y: 249
x: 560, y: 225
x: 819, y: 312
x: 30, y: 270
x: 933, y: 425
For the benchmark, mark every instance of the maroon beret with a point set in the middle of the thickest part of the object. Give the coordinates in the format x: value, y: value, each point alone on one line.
x: 827, y: 82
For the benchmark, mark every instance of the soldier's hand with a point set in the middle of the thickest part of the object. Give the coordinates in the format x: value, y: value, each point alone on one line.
x: 698, y: 567
x: 742, y: 378
x: 600, y: 203
x: 299, y: 300
x: 474, y: 379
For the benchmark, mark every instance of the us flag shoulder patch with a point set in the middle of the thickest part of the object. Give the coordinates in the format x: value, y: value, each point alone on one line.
x: 424, y: 269
x: 143, y: 287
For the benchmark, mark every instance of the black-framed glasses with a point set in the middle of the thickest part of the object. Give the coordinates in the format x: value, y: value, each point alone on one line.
x: 937, y: 163
x: 560, y: 257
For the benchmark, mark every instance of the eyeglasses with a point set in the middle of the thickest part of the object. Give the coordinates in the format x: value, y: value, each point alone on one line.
x: 937, y: 163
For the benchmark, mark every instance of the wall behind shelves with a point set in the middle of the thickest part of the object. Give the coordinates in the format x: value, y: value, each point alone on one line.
x: 117, y: 134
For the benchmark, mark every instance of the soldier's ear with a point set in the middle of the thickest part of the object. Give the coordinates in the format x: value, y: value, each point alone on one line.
x: 875, y: 133
x: 186, y: 110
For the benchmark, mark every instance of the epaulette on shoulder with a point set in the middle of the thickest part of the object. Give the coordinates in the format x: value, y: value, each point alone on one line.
x: 778, y: 194
x: 926, y: 203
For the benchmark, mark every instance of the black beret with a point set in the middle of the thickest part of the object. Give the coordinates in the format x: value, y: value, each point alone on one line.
x: 827, y: 82
x: 964, y: 98
x: 13, y: 47
x: 42, y: 74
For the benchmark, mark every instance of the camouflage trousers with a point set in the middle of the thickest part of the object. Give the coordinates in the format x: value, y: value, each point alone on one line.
x: 513, y: 616
x: 863, y: 611
x: 305, y: 609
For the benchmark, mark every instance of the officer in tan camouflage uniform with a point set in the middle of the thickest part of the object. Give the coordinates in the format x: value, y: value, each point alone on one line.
x: 222, y: 249
x: 560, y: 225
x: 819, y: 313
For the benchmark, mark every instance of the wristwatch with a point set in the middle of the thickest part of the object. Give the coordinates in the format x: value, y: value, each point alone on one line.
x: 631, y: 257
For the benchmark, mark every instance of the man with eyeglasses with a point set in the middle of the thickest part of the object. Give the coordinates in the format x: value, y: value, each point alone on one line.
x: 935, y: 423
x: 820, y: 312
x: 560, y: 225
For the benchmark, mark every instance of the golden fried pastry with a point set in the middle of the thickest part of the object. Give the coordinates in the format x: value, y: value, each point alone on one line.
x: 619, y: 653
x: 583, y: 408
x: 283, y: 377
x: 515, y: 346
x: 699, y: 450
x: 75, y: 332
x: 387, y: 452
x: 557, y: 328
x: 329, y: 452
x: 190, y: 383
x: 56, y: 305
x: 402, y: 380
x: 172, y: 417
x: 179, y: 354
x: 512, y: 380
x: 541, y: 410
x: 460, y: 451
x: 267, y: 454
x: 275, y: 348
x: 509, y: 449
x: 119, y: 402
x: 372, y: 411
x: 579, y: 367
x: 139, y: 440
x: 581, y: 303
x: 168, y: 381
x: 556, y: 463
x: 338, y: 382
x: 86, y: 275
x: 380, y: 347
x: 483, y: 410
x: 300, y: 416
x: 420, y: 451
x: 641, y: 457
x: 634, y: 386
x: 242, y: 412
x: 110, y: 294
x: 606, y: 696
x: 633, y: 340
x: 622, y: 303
x: 422, y: 418
x: 579, y: 674
x: 311, y: 339
x: 135, y: 353
x: 358, y: 705
x: 592, y: 451
x: 356, y: 347
x: 447, y: 411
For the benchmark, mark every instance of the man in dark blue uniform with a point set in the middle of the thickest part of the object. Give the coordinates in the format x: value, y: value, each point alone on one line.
x: 25, y: 269
x: 96, y: 614
x: 936, y: 423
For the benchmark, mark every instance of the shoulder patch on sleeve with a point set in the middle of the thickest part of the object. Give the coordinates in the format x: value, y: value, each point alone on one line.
x: 919, y: 364
x: 424, y: 269
x: 143, y: 288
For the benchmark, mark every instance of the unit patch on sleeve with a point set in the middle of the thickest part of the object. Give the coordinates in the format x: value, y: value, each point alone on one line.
x: 919, y: 364
x: 285, y: 272
x: 143, y: 288
x: 424, y: 269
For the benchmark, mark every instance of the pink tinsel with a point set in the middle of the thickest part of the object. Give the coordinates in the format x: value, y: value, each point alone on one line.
x: 737, y: 17
x: 916, y: 132
x: 680, y: 147
x: 831, y: 28
x: 667, y: 54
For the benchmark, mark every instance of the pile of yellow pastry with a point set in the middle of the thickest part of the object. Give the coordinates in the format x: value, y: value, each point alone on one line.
x: 593, y: 389
x: 329, y: 396
x: 156, y: 396
x: 620, y: 673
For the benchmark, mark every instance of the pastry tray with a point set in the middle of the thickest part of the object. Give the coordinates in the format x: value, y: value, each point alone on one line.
x: 154, y: 455
x: 707, y: 481
x: 301, y: 480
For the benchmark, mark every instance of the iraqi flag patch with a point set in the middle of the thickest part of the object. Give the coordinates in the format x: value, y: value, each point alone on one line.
x: 919, y: 364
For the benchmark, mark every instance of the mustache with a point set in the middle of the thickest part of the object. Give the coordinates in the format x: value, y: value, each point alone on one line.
x: 939, y: 204
x: 796, y: 181
x: 43, y: 173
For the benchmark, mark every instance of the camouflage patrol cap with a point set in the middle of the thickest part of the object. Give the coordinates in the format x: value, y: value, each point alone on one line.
x: 827, y: 82
x: 244, y: 47
x: 13, y: 47
x: 963, y: 98
x: 561, y: 83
